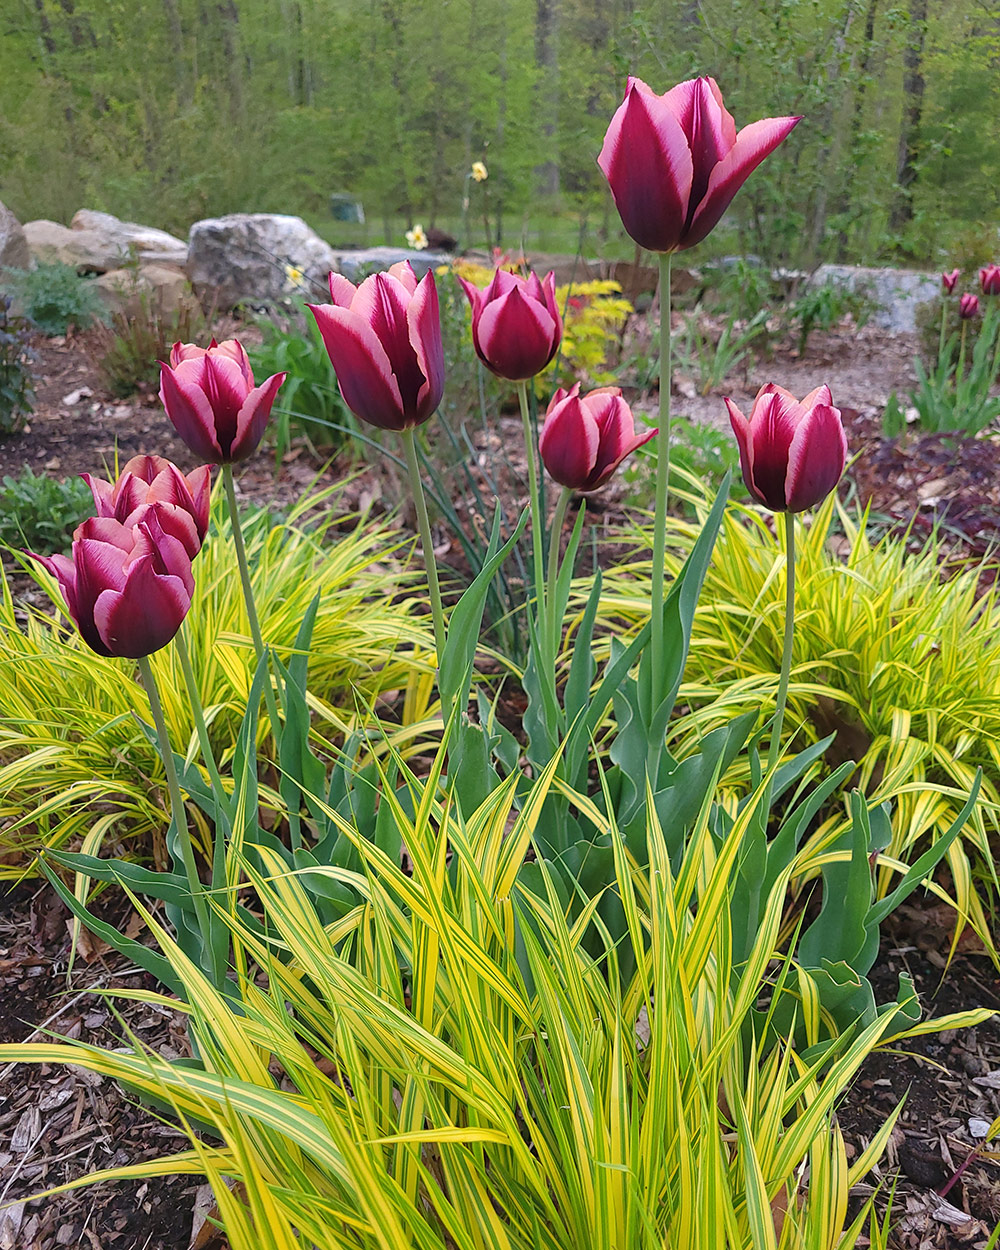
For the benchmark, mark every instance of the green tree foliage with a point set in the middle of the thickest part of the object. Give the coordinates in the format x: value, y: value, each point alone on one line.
x: 169, y: 110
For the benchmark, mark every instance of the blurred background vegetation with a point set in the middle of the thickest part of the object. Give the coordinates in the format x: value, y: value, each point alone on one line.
x: 165, y: 111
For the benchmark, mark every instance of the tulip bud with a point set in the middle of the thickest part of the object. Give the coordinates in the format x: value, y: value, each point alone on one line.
x: 128, y: 588
x: 584, y: 440
x: 948, y: 280
x: 674, y: 162
x: 209, y: 395
x: 516, y: 326
x: 989, y: 280
x: 183, y: 501
x: 792, y: 454
x: 968, y: 306
x: 384, y: 341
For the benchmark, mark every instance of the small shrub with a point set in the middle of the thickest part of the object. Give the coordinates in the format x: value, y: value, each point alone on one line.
x: 309, y: 404
x: 40, y: 512
x: 55, y: 297
x: 140, y: 336
x: 822, y: 307
x: 16, y: 394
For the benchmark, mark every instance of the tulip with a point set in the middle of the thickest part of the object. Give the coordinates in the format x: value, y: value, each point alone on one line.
x: 792, y: 454
x: 145, y: 480
x: 384, y: 340
x: 674, y: 162
x: 989, y: 280
x: 584, y: 440
x: 127, y: 587
x: 209, y: 395
x: 968, y: 306
x: 948, y: 280
x: 516, y: 326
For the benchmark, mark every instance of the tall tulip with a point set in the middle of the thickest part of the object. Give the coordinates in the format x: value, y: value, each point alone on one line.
x: 675, y: 161
x: 948, y: 280
x: 127, y: 587
x: 584, y: 440
x: 989, y: 280
x: 792, y: 454
x: 184, y: 501
x: 384, y: 341
x: 516, y: 326
x: 968, y: 306
x: 210, y: 396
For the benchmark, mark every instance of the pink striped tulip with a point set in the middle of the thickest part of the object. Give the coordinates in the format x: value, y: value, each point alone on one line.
x: 792, y: 454
x: 968, y: 306
x: 989, y: 280
x: 384, y: 341
x: 209, y: 395
x: 584, y: 440
x: 127, y: 587
x: 948, y: 280
x: 516, y: 326
x: 145, y: 480
x: 675, y: 161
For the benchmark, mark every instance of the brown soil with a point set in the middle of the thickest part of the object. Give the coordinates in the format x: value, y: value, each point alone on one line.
x: 56, y: 1124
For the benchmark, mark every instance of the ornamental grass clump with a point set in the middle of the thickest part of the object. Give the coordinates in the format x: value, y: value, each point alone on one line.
x: 448, y: 1066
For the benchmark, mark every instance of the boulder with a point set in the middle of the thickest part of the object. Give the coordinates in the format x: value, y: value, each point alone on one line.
x: 895, y: 293
x: 14, y: 253
x: 357, y: 265
x: 125, y: 238
x: 257, y: 258
x: 162, y: 287
x: 99, y: 243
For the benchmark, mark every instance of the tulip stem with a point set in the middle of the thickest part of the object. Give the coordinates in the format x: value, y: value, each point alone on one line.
x: 662, y: 487
x: 198, y: 713
x: 183, y: 838
x: 424, y: 526
x: 786, y: 647
x: 537, y: 521
x: 248, y: 599
x: 961, y: 355
x: 944, y: 323
x: 554, y: 626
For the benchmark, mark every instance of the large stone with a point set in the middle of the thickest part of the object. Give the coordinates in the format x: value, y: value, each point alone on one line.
x: 896, y: 294
x: 258, y: 258
x: 14, y: 253
x: 161, y: 288
x: 128, y: 238
x: 98, y: 243
x: 358, y: 264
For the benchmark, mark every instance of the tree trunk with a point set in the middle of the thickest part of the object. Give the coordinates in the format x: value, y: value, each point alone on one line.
x: 845, y: 200
x: 913, y: 107
x: 547, y: 60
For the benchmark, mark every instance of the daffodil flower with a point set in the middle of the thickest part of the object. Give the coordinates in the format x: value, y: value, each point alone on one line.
x: 479, y: 171
x: 416, y: 237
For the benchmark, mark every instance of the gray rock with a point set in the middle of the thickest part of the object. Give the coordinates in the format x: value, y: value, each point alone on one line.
x: 98, y: 243
x: 163, y: 287
x: 257, y: 258
x: 357, y: 265
x: 122, y: 238
x: 895, y: 293
x: 14, y: 253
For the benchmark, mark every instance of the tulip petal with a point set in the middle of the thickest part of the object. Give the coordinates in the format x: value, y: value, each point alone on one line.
x: 753, y: 144
x: 342, y: 292
x: 741, y: 428
x: 568, y: 444
x: 103, y: 494
x: 424, y: 320
x: 361, y: 365
x: 191, y: 414
x: 517, y: 336
x: 382, y: 301
x: 647, y: 162
x: 710, y: 130
x: 402, y: 271
x: 816, y: 458
x: 143, y: 616
x: 251, y: 419
x: 772, y: 427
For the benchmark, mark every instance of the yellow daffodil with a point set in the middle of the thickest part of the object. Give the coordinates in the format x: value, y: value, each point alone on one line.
x: 479, y: 171
x: 295, y: 278
x: 416, y: 237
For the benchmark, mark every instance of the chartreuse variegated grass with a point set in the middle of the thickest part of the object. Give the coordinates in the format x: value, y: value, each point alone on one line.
x: 902, y: 662
x: 74, y: 762
x: 447, y: 1067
